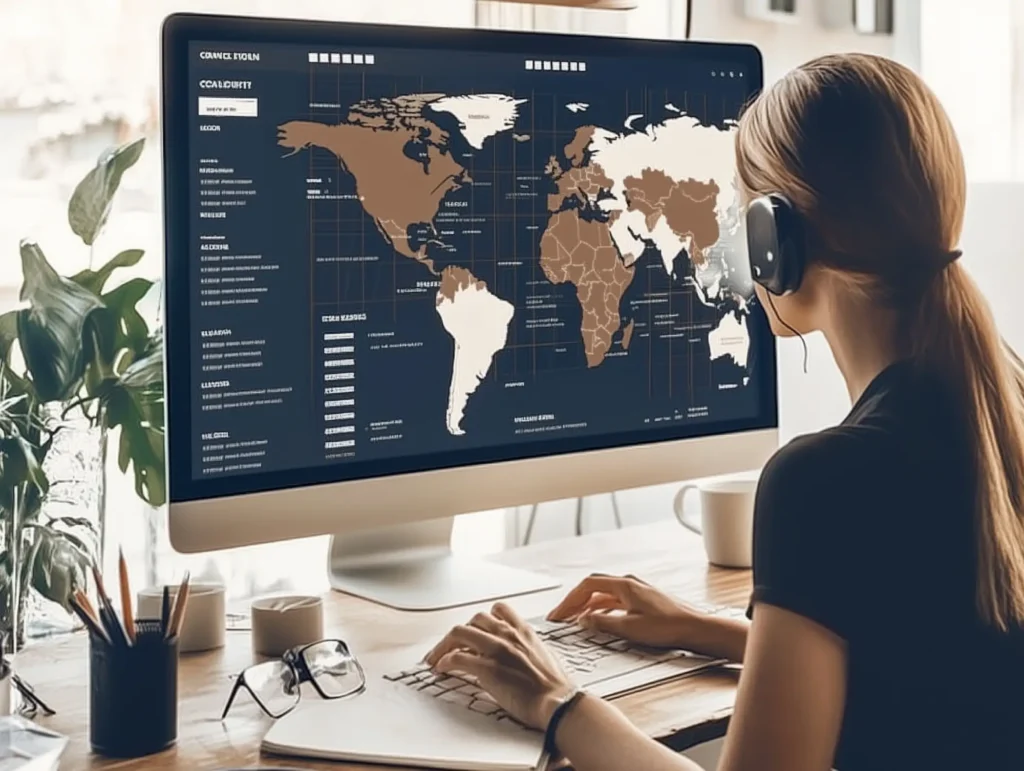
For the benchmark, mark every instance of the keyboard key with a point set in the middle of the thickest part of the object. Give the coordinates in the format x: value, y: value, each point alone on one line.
x: 484, y: 707
x: 432, y: 690
x: 450, y: 683
x: 563, y: 632
x: 455, y: 697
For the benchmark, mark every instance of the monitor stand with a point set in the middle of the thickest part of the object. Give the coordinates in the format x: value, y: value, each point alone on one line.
x: 411, y: 567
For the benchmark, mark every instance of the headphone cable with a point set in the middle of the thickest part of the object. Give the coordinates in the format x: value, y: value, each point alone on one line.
x: 689, y: 19
x: 782, y: 321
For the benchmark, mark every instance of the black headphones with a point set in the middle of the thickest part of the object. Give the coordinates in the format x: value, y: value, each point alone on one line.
x: 775, y: 244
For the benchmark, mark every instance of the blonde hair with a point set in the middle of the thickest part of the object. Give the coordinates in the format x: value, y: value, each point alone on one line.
x: 864, y: 151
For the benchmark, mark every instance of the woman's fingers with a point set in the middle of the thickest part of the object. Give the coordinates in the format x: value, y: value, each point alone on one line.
x: 466, y: 663
x: 602, y: 601
x: 489, y: 623
x: 576, y: 599
x: 618, y: 624
x: 505, y: 613
x: 466, y: 637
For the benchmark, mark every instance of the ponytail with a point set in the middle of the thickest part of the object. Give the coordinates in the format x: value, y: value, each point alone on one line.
x: 954, y: 333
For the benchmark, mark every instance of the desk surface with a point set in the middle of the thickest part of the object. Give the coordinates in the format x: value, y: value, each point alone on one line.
x: 682, y: 714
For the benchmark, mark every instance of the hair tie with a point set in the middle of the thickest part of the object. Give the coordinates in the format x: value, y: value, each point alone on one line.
x: 950, y: 257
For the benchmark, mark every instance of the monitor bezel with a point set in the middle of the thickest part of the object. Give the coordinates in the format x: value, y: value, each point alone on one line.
x: 179, y: 30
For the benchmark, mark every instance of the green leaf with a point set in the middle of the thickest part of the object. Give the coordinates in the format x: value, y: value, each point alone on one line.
x: 51, y: 330
x: 8, y: 334
x: 28, y: 563
x: 20, y: 466
x: 135, y: 404
x: 95, y: 280
x: 59, y: 566
x: 90, y: 203
x: 132, y: 331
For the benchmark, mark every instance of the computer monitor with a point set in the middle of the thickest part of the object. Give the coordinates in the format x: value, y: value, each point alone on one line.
x: 413, y: 273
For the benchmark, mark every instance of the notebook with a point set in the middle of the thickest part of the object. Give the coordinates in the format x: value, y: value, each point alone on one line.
x: 391, y: 724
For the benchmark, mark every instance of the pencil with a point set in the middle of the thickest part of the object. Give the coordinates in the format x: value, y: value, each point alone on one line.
x: 106, y: 611
x: 126, y: 598
x: 101, y: 592
x: 86, y: 604
x: 91, y: 623
x: 180, y: 601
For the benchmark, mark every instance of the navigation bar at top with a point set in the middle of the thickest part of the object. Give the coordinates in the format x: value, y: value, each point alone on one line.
x: 534, y: 64
x: 339, y: 58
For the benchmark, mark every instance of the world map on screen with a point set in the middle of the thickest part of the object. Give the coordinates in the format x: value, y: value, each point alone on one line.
x: 610, y: 198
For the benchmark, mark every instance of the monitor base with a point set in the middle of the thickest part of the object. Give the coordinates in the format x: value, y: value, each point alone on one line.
x: 411, y: 567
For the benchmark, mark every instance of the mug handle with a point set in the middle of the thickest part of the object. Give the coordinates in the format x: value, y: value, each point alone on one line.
x: 677, y: 507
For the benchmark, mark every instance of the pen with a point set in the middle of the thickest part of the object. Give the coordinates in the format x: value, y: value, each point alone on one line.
x: 165, y: 611
x: 126, y: 598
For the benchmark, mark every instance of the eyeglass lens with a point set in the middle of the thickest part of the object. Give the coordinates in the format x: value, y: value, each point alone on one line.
x: 274, y: 685
x: 333, y: 668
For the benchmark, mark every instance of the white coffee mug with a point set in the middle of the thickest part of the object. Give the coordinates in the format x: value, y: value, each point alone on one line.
x: 727, y: 519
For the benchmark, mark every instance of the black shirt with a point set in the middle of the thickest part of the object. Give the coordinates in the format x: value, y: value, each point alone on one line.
x: 868, y: 529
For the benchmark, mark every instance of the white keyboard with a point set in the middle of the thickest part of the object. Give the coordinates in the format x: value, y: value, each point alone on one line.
x: 602, y: 664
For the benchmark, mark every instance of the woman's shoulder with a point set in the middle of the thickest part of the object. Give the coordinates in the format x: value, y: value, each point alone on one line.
x: 841, y: 453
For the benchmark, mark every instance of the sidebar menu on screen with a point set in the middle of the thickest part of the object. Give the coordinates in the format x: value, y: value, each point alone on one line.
x: 249, y: 277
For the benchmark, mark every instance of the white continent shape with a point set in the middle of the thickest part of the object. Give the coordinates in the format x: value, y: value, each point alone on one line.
x: 478, y: 323
x: 577, y: 106
x: 730, y: 338
x: 683, y: 149
x: 680, y: 147
x: 480, y: 116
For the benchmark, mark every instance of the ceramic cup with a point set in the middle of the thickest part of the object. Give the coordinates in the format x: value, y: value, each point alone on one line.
x: 280, y: 623
x: 726, y: 519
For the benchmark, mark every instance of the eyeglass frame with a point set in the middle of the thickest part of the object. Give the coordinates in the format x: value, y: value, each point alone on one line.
x: 295, y: 659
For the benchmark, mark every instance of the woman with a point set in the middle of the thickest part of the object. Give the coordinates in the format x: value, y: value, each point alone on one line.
x: 888, y: 605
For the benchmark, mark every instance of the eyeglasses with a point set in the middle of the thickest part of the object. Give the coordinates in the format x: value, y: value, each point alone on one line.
x: 275, y: 685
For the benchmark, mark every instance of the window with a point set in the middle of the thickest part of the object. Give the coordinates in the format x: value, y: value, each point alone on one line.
x: 80, y: 76
x: 972, y: 55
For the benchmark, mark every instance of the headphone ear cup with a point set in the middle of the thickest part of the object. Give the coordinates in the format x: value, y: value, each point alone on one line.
x: 775, y: 244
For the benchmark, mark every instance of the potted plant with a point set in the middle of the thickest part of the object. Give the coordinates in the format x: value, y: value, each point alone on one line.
x: 76, y: 348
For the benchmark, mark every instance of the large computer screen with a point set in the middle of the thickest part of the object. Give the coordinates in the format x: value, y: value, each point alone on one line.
x: 400, y: 250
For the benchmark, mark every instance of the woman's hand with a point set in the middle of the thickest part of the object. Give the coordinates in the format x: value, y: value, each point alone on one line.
x: 503, y: 653
x: 632, y: 609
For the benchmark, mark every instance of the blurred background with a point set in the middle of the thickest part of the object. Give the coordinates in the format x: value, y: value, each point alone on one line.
x: 81, y: 75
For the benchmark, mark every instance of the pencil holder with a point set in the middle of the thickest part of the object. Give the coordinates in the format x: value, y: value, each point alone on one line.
x: 133, y: 694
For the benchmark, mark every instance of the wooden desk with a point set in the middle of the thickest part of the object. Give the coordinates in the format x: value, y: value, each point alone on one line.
x: 681, y: 714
